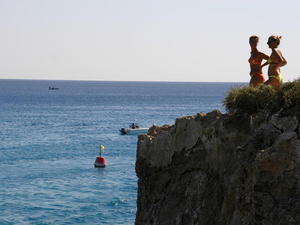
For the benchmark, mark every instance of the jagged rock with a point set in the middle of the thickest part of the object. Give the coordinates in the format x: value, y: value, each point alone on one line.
x: 220, y: 169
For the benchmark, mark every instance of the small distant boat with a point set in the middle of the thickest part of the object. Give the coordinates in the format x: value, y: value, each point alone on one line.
x: 53, y: 88
x: 134, y: 129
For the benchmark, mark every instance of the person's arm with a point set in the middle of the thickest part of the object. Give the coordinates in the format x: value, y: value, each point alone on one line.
x: 282, y: 62
x: 266, y: 63
x: 265, y: 57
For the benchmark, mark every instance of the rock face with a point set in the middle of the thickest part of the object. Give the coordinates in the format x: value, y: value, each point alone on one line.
x: 220, y: 169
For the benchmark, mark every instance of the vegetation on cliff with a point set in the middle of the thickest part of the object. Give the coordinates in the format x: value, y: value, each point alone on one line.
x: 251, y: 100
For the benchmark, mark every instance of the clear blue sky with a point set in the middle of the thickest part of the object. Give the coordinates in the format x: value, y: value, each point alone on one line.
x: 145, y: 40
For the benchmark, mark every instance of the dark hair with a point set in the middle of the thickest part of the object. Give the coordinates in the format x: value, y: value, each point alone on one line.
x: 275, y: 38
x: 253, y: 37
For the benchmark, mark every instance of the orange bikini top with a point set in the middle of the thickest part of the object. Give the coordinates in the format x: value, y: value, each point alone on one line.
x: 254, y: 61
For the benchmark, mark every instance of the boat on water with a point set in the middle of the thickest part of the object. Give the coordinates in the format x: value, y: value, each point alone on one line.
x: 134, y: 129
x: 53, y: 88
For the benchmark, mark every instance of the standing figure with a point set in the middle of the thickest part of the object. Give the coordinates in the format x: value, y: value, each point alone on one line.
x: 275, y: 61
x: 255, y: 61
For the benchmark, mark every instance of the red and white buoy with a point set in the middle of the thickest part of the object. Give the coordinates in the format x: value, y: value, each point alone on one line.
x: 100, y: 160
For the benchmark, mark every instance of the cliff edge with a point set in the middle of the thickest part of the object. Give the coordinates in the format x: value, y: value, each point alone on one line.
x: 220, y: 169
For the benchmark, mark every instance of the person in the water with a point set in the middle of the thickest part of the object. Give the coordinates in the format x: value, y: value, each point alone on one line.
x: 255, y: 60
x: 275, y: 61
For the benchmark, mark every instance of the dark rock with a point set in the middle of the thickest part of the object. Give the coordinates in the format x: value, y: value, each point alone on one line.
x: 220, y: 169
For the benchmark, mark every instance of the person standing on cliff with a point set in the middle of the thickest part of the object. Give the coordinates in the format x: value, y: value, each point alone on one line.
x: 255, y: 61
x: 275, y: 61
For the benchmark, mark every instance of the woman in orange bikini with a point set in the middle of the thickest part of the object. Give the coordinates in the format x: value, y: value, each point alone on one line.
x: 255, y: 61
x: 275, y: 61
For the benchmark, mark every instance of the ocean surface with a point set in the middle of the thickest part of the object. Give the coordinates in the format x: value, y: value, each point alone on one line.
x: 49, y: 140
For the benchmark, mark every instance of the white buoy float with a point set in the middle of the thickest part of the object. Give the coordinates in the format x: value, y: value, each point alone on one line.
x: 100, y: 161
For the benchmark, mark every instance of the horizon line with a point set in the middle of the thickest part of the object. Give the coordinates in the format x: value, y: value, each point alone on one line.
x: 149, y: 81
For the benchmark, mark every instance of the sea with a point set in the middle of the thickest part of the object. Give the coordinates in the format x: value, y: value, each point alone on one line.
x: 49, y: 140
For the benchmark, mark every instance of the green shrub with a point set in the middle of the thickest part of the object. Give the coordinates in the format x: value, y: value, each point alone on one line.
x: 250, y: 100
x: 290, y: 93
x: 263, y: 98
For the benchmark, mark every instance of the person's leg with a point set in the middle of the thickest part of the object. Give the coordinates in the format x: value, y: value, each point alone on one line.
x: 273, y: 82
x: 256, y: 80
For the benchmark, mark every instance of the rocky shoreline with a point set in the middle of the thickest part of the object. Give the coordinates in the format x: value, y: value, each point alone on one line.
x: 223, y: 169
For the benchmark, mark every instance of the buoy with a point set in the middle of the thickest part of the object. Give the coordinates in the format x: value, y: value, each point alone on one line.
x: 100, y: 160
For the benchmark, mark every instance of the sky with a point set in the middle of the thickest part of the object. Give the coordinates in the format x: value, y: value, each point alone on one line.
x: 143, y: 40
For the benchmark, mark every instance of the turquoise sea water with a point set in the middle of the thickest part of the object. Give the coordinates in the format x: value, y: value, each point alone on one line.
x: 49, y: 140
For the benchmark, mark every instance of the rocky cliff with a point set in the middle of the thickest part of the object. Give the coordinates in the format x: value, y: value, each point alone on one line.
x: 222, y: 169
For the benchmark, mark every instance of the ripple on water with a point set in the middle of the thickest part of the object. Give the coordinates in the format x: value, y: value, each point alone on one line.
x: 49, y: 141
